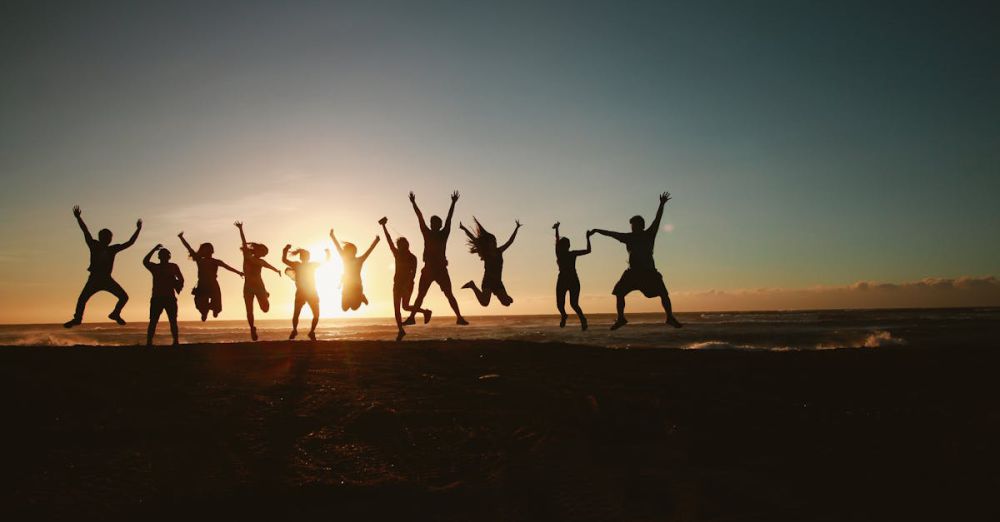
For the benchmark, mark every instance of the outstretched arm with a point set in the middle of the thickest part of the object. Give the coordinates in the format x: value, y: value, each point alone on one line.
x: 517, y: 225
x: 135, y: 235
x: 451, y: 211
x: 243, y: 237
x: 587, y: 251
x: 467, y: 231
x: 336, y: 243
x: 191, y: 252
x: 369, y: 251
x: 388, y: 238
x: 420, y: 215
x: 284, y: 256
x: 620, y: 236
x: 147, y: 261
x: 231, y: 269
x: 267, y: 265
x: 655, y: 225
x: 83, y: 226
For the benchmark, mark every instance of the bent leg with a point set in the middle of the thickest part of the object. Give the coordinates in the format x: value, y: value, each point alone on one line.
x: 422, y: 286
x: 89, y: 289
x: 116, y: 290
x: 445, y: 283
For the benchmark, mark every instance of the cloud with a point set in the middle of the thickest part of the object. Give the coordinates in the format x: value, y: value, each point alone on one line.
x: 926, y: 293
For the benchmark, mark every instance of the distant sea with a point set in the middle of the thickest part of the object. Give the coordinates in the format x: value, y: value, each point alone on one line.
x: 777, y: 331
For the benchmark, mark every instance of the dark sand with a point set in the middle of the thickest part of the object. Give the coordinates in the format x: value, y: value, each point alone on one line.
x: 499, y: 431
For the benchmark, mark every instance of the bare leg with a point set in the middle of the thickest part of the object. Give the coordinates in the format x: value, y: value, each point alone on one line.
x: 314, y: 306
x: 671, y: 320
x: 404, y: 302
x: 119, y: 292
x: 422, y: 286
x: 89, y: 289
x: 445, y: 284
x: 299, y: 302
x: 561, y: 304
x: 620, y: 306
x: 483, y: 296
x: 574, y: 301
x: 172, y: 317
x: 248, y: 301
x: 155, y: 309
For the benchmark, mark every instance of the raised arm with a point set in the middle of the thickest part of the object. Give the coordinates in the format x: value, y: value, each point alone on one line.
x: 227, y: 267
x: 655, y: 225
x: 420, y: 215
x: 388, y: 238
x: 517, y: 225
x: 191, y: 252
x: 556, y: 228
x: 243, y: 237
x: 587, y: 251
x: 451, y: 212
x: 83, y: 226
x: 284, y: 255
x: 336, y: 243
x: 369, y: 251
x: 147, y: 261
x: 620, y: 236
x: 467, y: 231
x: 135, y: 235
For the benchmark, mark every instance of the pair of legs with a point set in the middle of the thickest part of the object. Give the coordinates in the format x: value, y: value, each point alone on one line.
x: 401, y: 293
x: 491, y: 287
x: 99, y: 284
x: 208, y: 298
x: 569, y: 284
x: 300, y: 300
x: 650, y: 283
x: 158, y: 305
x: 251, y: 292
x: 352, y: 297
x: 440, y: 276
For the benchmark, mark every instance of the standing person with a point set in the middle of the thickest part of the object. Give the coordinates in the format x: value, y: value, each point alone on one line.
x: 304, y: 274
x: 641, y: 273
x: 435, y: 261
x: 352, y: 294
x: 253, y: 283
x: 402, y: 281
x: 207, y: 294
x: 102, y: 261
x: 167, y: 281
x: 569, y: 281
x: 485, y: 244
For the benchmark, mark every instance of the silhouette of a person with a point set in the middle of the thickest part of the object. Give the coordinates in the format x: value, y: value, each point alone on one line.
x: 568, y: 281
x: 207, y: 294
x: 253, y: 283
x: 641, y: 273
x: 484, y: 244
x: 102, y: 261
x: 402, y: 281
x: 435, y: 261
x: 352, y: 293
x: 167, y: 281
x: 304, y: 273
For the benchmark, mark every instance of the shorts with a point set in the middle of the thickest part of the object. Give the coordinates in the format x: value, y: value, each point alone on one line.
x: 255, y: 291
x: 648, y: 281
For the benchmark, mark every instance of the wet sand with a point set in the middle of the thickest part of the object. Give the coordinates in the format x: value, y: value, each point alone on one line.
x: 499, y: 431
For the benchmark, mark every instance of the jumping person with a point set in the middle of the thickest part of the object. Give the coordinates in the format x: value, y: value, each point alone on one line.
x: 102, y: 261
x: 485, y: 244
x: 207, y: 295
x: 641, y: 273
x: 352, y: 294
x: 304, y: 274
x: 402, y: 281
x: 253, y: 283
x: 568, y: 281
x: 435, y: 261
x: 167, y: 281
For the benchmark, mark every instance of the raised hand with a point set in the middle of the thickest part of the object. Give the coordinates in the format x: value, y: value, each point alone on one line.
x: 517, y: 223
x: 76, y: 211
x: 454, y: 196
x: 383, y: 221
x: 157, y: 247
x: 181, y: 235
x: 665, y: 197
x: 239, y: 224
x: 331, y: 234
x: 591, y: 232
x: 286, y: 249
x: 556, y: 226
x: 413, y: 197
x: 138, y: 224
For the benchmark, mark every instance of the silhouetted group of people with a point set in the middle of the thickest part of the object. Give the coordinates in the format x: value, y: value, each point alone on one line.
x: 168, y: 282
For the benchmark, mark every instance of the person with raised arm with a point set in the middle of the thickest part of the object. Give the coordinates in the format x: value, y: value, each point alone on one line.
x: 435, y: 268
x: 304, y: 273
x: 641, y: 273
x: 167, y: 282
x: 352, y: 294
x: 207, y: 294
x: 484, y: 244
x: 253, y: 283
x: 402, y: 281
x: 102, y: 262
x: 568, y: 281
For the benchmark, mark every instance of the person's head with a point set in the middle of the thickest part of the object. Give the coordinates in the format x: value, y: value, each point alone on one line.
x: 638, y: 224
x: 562, y: 245
x: 483, y: 242
x: 257, y: 249
x: 163, y: 254
x: 303, y: 255
x: 206, y: 250
x: 350, y: 249
x: 104, y: 236
x: 403, y: 244
x: 435, y: 223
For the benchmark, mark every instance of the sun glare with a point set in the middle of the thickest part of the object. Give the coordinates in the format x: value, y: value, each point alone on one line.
x: 328, y: 279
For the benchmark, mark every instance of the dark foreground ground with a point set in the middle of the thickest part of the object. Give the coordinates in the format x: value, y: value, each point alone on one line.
x: 498, y: 431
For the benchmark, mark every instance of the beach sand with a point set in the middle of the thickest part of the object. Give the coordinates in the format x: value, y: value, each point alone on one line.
x: 479, y: 430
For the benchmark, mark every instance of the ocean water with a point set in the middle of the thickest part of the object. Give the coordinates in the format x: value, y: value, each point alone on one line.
x: 779, y: 331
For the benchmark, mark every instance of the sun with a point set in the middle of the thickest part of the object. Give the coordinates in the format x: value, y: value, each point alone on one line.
x: 328, y: 279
